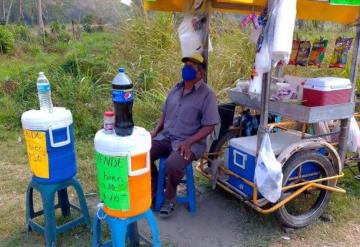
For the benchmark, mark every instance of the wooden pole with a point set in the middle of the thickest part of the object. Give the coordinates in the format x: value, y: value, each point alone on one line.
x: 345, y: 123
x: 206, y: 45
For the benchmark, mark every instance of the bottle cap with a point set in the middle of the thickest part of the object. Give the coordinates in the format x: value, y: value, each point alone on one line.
x: 121, y: 70
x: 109, y: 113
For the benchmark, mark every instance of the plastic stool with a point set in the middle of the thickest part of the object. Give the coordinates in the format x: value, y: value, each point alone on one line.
x: 47, y: 192
x: 120, y: 227
x: 190, y: 197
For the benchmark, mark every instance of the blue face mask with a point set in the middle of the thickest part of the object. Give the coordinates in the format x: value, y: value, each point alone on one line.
x: 188, y: 73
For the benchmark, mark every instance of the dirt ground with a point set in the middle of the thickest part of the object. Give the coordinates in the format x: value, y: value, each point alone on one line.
x: 222, y: 221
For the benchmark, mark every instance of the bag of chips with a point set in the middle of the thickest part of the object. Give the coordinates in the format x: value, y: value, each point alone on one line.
x: 341, y: 52
x: 294, y: 52
x: 303, y: 53
x: 318, y: 52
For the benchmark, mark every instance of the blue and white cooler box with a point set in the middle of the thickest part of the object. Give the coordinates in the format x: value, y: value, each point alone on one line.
x: 241, y: 159
x: 50, y: 144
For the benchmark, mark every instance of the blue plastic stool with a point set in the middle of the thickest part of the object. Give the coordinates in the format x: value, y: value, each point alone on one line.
x: 47, y: 192
x: 120, y: 229
x: 190, y: 197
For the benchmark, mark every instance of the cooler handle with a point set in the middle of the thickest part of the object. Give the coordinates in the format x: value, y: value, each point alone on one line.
x: 241, y: 165
x: 140, y: 171
x: 59, y: 144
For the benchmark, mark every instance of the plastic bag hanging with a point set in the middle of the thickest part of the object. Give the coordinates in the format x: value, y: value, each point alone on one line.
x: 268, y: 172
x: 353, y: 142
x: 192, y: 34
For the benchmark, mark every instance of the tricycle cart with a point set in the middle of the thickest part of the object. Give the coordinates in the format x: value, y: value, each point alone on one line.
x: 311, y: 165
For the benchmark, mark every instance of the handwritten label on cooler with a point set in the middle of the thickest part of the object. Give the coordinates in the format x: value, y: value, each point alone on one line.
x: 37, y: 153
x: 122, y: 96
x: 345, y: 2
x: 112, y: 174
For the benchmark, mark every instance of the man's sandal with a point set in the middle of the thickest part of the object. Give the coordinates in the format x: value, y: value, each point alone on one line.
x: 167, y: 210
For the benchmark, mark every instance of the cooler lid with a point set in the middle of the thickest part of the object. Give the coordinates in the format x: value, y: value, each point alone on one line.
x: 279, y: 141
x: 114, y: 145
x: 328, y: 83
x: 59, y: 118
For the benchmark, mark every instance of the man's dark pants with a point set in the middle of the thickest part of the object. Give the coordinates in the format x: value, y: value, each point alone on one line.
x: 175, y: 167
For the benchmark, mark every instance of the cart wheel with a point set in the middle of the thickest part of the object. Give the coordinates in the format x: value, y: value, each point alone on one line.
x: 309, y: 205
x: 223, y: 142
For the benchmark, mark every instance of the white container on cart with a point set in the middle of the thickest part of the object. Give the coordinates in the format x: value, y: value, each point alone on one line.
x: 327, y: 91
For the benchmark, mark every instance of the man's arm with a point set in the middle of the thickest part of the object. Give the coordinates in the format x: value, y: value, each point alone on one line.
x: 210, y: 118
x: 159, y: 127
x: 185, y: 147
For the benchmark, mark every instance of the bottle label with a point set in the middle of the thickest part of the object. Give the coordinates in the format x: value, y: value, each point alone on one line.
x: 122, y: 96
x: 108, y: 126
x: 43, y: 88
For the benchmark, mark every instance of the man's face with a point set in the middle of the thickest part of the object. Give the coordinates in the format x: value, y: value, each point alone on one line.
x: 194, y: 66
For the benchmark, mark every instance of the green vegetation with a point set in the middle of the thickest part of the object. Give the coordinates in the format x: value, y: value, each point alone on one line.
x: 80, y: 71
x: 6, y: 41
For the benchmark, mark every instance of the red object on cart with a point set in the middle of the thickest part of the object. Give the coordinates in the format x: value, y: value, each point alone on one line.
x: 326, y: 91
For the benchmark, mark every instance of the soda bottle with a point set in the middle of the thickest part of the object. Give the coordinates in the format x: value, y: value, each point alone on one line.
x: 44, y: 92
x: 123, y: 97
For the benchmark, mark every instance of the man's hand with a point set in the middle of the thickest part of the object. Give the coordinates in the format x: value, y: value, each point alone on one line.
x: 185, y: 150
x: 159, y: 126
x: 153, y: 133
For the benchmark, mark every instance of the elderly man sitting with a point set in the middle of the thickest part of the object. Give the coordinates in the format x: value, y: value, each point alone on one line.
x: 189, y: 115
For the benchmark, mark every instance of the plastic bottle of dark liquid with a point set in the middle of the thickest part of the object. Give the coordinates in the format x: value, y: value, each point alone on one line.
x: 123, y: 97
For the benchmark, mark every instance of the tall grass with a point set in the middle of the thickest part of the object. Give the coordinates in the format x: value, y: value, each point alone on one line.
x: 148, y: 47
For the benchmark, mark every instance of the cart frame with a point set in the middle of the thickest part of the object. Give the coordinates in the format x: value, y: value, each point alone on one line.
x: 309, y: 115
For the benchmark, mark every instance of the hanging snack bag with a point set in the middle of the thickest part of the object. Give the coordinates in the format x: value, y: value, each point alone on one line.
x: 303, y: 53
x: 294, y: 52
x: 318, y: 52
x: 341, y: 51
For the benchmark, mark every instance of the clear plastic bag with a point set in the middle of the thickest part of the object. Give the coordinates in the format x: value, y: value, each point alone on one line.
x: 353, y: 142
x: 268, y: 172
x: 192, y: 34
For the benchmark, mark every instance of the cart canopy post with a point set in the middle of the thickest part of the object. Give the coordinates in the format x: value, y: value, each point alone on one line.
x: 345, y: 123
x: 264, y: 111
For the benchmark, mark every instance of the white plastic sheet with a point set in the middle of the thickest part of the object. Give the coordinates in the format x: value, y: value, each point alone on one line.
x: 192, y: 34
x: 255, y: 86
x: 353, y: 142
x: 283, y: 30
x: 263, y: 60
x: 268, y: 172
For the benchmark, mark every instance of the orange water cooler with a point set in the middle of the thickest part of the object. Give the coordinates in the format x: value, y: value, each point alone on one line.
x: 123, y: 172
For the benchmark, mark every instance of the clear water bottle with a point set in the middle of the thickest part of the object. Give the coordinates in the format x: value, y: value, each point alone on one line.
x: 44, y: 92
x: 123, y: 97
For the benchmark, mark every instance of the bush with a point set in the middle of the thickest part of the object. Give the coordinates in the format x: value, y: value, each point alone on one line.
x: 31, y: 48
x: 7, y: 40
x: 55, y: 27
x: 87, y: 23
x: 64, y: 37
x: 99, y: 25
x: 20, y: 32
x: 88, y: 19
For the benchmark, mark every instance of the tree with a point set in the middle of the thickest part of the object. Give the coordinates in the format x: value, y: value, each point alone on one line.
x: 40, y: 18
x: 3, y: 9
x: 9, y: 12
x: 21, y: 11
